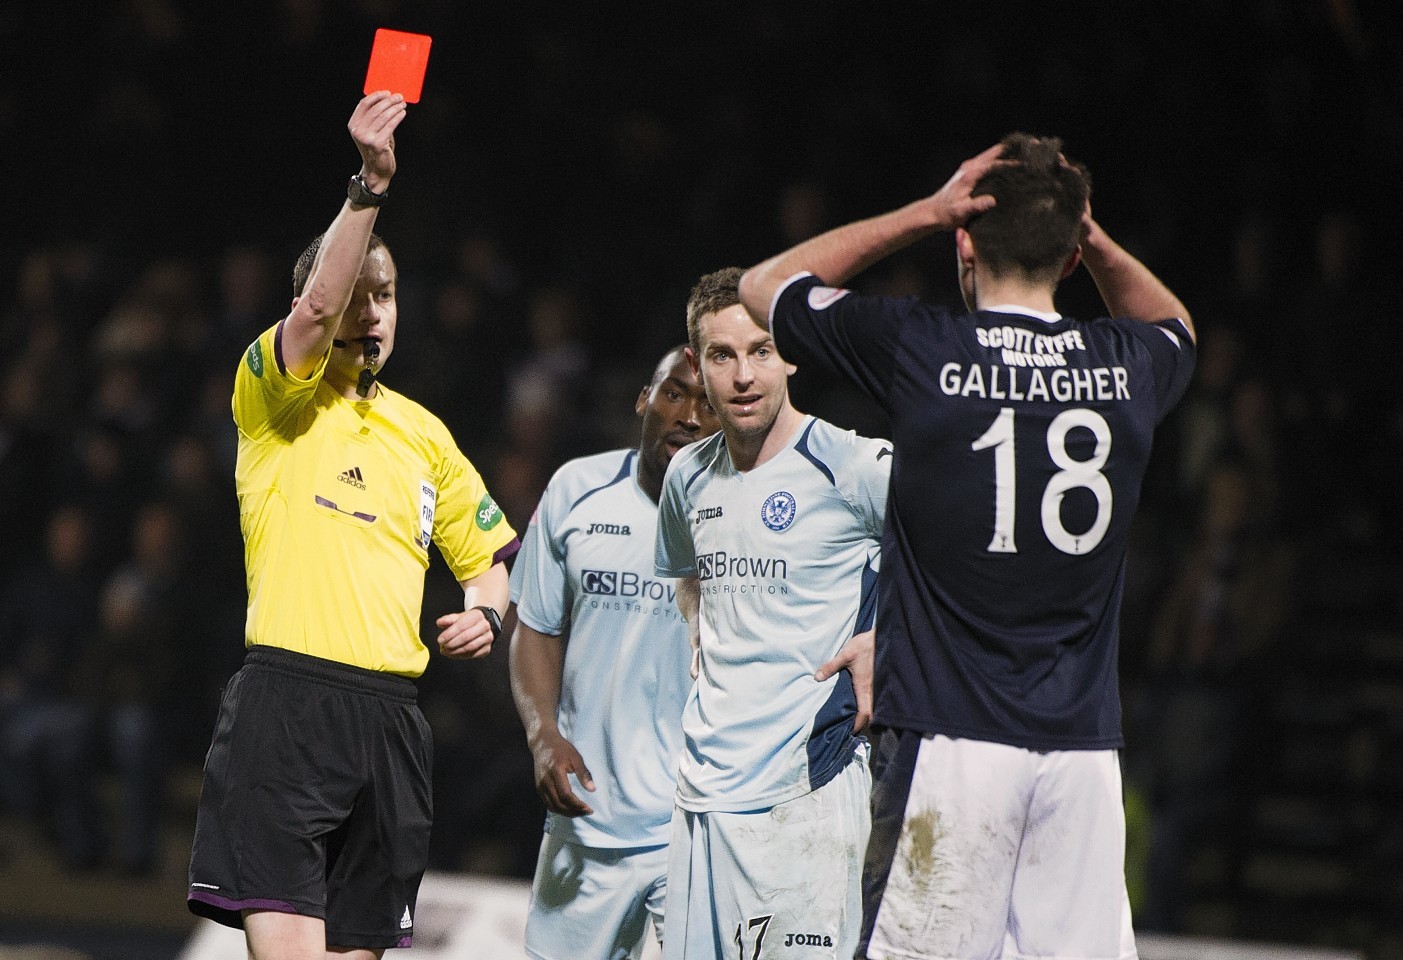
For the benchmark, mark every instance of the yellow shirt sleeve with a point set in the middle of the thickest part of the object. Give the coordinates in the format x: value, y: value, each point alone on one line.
x: 267, y: 399
x: 471, y: 528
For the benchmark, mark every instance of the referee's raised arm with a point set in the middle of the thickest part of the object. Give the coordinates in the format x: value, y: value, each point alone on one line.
x: 316, y: 312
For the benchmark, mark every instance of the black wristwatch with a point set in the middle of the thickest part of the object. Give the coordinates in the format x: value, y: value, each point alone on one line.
x: 494, y: 620
x: 361, y: 195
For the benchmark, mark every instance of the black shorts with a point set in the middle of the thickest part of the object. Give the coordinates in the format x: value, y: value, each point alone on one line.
x: 316, y: 800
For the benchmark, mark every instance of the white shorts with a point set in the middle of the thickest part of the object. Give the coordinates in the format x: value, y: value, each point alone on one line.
x: 1001, y: 852
x: 746, y: 884
x: 594, y: 903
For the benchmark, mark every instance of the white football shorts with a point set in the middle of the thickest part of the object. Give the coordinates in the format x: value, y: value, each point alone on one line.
x: 594, y: 903
x: 1002, y: 853
x: 790, y: 876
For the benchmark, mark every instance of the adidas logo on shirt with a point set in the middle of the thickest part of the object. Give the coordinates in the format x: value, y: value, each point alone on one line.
x: 405, y: 922
x: 352, y: 477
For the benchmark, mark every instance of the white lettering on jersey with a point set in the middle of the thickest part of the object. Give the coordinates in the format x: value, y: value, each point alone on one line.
x: 1014, y: 383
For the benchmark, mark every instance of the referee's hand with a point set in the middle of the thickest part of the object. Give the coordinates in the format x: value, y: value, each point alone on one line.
x: 372, y: 127
x: 465, y: 635
x: 856, y: 658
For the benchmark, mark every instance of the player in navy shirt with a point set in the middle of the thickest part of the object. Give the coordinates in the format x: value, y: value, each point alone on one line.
x: 1022, y: 439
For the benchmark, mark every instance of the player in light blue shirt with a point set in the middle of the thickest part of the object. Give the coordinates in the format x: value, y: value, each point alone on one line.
x: 772, y: 527
x: 599, y: 667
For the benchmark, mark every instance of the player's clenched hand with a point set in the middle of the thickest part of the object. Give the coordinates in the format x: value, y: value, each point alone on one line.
x: 372, y: 127
x: 465, y: 635
x: 952, y: 205
x: 555, y: 759
x: 856, y: 658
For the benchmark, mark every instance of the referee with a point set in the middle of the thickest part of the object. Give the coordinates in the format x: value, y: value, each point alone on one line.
x: 313, y: 825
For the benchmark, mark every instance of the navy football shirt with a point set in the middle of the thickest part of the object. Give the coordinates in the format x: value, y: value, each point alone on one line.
x: 1022, y: 442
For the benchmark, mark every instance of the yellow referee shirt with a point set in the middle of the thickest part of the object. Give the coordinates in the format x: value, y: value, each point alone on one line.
x: 338, y: 501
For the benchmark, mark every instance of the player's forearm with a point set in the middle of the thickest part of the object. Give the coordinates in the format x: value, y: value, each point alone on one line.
x: 1129, y: 288
x: 537, y: 663
x: 838, y: 255
x: 689, y: 605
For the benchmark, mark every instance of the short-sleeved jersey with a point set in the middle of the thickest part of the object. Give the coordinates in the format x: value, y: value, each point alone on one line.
x: 786, y: 556
x: 338, y: 502
x: 1022, y: 442
x: 586, y: 570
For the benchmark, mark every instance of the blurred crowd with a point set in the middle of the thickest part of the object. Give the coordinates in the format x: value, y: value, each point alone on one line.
x: 568, y: 175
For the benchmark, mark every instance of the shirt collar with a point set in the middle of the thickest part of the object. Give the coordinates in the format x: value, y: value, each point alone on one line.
x: 1024, y: 311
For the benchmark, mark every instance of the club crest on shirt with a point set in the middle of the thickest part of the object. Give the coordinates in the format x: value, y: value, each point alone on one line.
x: 778, y: 510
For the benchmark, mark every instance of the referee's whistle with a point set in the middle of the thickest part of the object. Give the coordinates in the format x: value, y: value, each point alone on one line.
x: 367, y: 375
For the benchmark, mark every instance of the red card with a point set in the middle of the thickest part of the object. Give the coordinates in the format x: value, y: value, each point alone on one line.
x: 397, y: 63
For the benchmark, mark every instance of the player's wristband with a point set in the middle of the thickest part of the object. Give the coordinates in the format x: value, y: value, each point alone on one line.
x: 494, y: 620
x: 361, y: 195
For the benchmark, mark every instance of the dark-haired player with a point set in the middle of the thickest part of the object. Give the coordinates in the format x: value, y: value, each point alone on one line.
x: 600, y: 672
x: 313, y: 825
x: 998, y: 827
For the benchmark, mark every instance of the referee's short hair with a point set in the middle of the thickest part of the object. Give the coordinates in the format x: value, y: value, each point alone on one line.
x: 303, y: 268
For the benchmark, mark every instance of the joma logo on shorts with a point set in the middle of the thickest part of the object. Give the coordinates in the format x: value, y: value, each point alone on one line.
x: 617, y: 529
x: 807, y: 940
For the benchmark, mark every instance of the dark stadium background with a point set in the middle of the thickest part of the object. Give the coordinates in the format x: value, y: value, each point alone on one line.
x: 571, y: 170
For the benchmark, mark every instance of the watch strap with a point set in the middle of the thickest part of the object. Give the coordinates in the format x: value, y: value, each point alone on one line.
x: 361, y: 195
x: 494, y: 620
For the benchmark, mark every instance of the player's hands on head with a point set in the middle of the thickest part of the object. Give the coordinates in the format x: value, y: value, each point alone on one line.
x: 1091, y: 232
x: 952, y: 205
x: 856, y: 657
x: 372, y: 127
x: 465, y: 635
x: 555, y: 759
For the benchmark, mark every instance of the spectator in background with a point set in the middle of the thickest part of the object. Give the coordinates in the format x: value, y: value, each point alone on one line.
x: 547, y: 418
x: 1200, y: 426
x: 194, y: 487
x: 125, y: 677
x: 105, y: 472
x: 46, y: 737
x: 27, y: 458
x: 1216, y: 625
x: 247, y: 295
